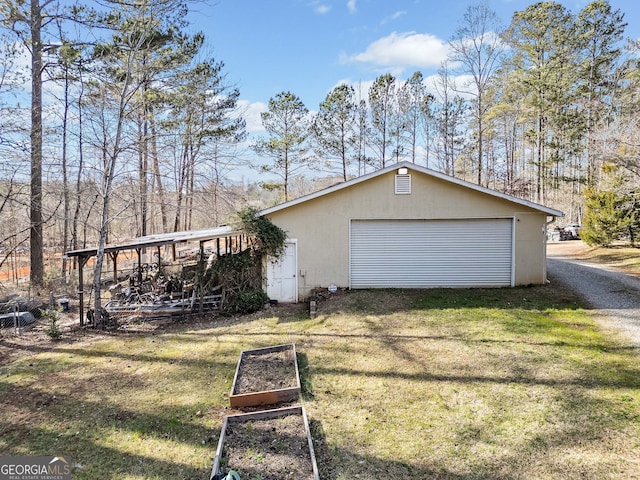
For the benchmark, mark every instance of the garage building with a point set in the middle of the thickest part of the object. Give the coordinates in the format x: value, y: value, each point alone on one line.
x: 406, y: 226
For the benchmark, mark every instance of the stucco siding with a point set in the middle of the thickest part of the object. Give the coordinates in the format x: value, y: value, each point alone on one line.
x: 321, y: 224
x: 530, y: 248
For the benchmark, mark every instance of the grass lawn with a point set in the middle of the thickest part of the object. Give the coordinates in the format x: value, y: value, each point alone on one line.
x: 452, y: 384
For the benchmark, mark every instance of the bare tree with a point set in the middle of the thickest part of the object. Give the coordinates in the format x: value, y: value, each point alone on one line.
x: 448, y: 120
x: 121, y: 56
x: 476, y: 45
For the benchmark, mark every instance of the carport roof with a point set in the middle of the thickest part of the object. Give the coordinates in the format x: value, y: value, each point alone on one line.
x: 412, y: 166
x: 161, y: 239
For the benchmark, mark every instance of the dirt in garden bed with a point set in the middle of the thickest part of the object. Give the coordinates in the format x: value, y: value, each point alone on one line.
x: 261, y: 372
x: 268, y: 449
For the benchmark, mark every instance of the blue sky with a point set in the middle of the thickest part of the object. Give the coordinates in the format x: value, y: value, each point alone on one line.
x: 310, y: 46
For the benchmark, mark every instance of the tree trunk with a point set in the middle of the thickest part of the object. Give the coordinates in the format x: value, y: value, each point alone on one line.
x: 78, y: 192
x: 107, y: 178
x: 65, y: 177
x: 180, y: 181
x: 37, y: 260
x: 480, y: 140
x: 142, y: 171
x: 156, y: 172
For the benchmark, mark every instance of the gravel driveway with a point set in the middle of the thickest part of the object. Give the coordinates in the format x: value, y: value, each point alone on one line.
x: 614, y: 296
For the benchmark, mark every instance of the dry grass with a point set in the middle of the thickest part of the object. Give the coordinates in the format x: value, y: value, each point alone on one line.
x: 484, y: 384
x: 620, y: 256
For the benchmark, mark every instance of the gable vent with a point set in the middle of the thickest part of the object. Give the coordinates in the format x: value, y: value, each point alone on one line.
x: 403, y: 184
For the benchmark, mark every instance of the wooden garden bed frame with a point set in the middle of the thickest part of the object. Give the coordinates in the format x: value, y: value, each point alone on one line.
x: 264, y: 415
x: 267, y: 397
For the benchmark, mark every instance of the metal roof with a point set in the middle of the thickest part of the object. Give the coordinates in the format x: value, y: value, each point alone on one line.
x: 161, y: 239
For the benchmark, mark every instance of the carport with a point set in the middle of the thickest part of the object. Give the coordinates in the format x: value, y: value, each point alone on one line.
x: 227, y: 240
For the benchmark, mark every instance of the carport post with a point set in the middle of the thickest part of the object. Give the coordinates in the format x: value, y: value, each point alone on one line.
x: 114, y: 258
x: 138, y: 251
x: 82, y: 261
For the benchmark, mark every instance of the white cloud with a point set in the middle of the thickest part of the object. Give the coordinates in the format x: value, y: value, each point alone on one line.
x: 401, y: 50
x: 351, y: 6
x: 319, y: 7
x: 323, y: 9
x: 395, y: 16
x: 461, y: 85
x: 251, y: 113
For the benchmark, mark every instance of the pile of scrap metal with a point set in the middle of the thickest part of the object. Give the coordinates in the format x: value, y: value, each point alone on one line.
x: 156, y: 295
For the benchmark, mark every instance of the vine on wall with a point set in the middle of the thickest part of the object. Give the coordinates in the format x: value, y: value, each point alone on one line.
x: 240, y: 275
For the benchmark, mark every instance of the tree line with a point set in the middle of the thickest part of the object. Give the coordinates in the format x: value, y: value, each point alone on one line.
x: 136, y: 112
x: 130, y: 127
x: 542, y: 108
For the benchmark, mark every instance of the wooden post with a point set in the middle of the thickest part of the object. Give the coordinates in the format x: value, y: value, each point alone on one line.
x: 82, y: 260
x: 138, y: 251
x: 199, y: 276
x: 114, y: 258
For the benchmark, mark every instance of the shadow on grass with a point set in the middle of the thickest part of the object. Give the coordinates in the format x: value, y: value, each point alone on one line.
x: 338, y: 463
x: 538, y: 297
x: 92, y: 461
x: 59, y: 424
x: 397, y: 340
x: 306, y: 383
x: 622, y: 378
x: 131, y: 357
x: 584, y: 426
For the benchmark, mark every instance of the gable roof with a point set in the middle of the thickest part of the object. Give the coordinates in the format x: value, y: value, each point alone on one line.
x: 417, y: 168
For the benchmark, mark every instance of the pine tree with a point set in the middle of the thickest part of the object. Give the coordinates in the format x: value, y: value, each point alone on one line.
x: 544, y: 46
x: 135, y: 28
x: 334, y: 129
x: 600, y: 30
x: 613, y: 211
x: 287, y: 124
x: 28, y: 20
x: 382, y: 102
x: 412, y: 98
x: 603, y: 219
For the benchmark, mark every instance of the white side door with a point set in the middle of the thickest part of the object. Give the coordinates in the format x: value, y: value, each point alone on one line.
x: 282, y: 279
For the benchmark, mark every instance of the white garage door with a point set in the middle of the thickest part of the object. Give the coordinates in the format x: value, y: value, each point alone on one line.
x: 431, y: 253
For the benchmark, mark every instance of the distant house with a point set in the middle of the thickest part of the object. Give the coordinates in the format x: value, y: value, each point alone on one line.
x: 406, y: 226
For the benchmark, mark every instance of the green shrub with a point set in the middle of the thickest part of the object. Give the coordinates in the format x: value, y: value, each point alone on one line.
x: 612, y: 211
x: 248, y: 301
x: 53, y: 331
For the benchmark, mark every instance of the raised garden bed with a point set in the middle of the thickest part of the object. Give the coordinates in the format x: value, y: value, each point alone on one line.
x: 266, y: 376
x: 269, y: 445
